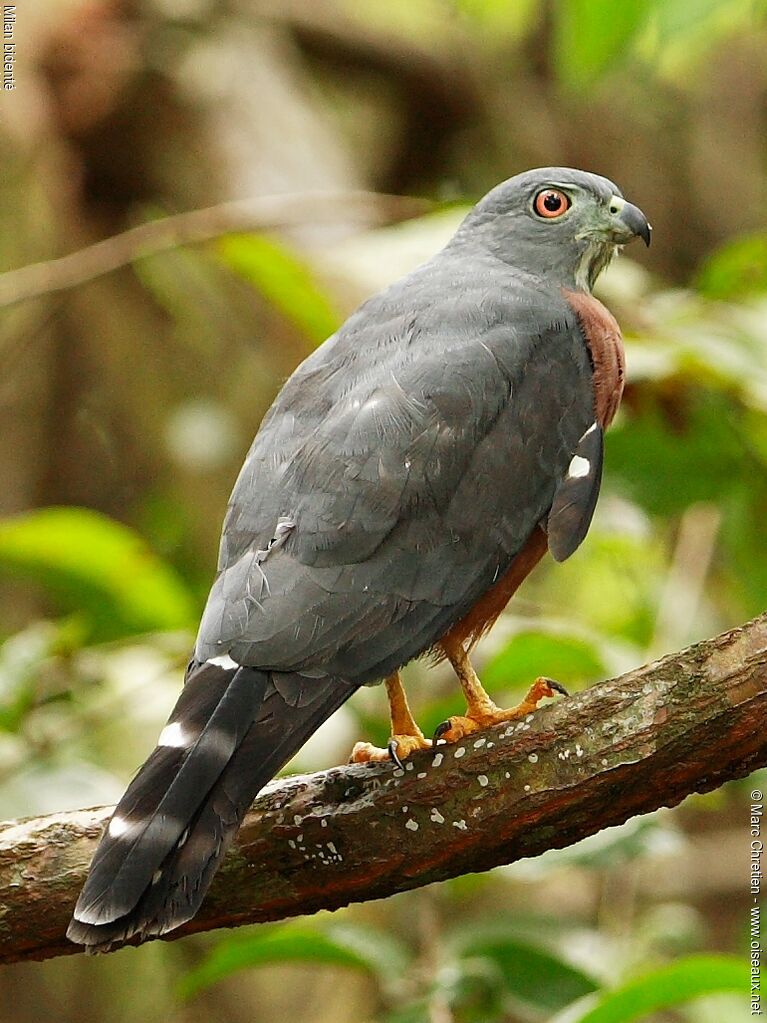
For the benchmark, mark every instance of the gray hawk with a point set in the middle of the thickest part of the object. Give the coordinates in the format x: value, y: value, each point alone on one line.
x: 409, y: 475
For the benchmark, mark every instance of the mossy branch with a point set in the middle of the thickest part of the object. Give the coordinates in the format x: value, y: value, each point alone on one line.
x: 644, y: 740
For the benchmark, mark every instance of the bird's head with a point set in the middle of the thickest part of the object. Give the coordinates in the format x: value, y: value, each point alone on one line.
x: 556, y: 222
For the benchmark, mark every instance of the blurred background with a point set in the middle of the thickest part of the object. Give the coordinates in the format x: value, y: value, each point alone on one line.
x: 137, y: 372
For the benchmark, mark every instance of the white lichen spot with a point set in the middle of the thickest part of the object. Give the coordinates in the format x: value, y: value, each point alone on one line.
x: 404, y: 809
x: 411, y: 825
x: 508, y: 775
x: 479, y: 743
x: 527, y: 788
x: 533, y: 758
x: 437, y: 760
x: 482, y: 779
x: 604, y: 761
x: 459, y: 752
x: 461, y: 825
x: 436, y: 816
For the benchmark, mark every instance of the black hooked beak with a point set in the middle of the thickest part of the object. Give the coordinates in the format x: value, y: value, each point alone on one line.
x: 635, y: 221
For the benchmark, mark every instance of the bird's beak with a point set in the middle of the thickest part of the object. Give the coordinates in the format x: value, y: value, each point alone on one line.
x: 629, y: 221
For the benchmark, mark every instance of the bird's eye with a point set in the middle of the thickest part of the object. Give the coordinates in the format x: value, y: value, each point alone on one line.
x: 551, y: 203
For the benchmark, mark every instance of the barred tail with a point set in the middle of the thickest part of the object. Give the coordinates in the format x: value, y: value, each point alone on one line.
x: 232, y: 729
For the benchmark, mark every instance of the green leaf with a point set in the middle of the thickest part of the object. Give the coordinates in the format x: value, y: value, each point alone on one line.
x: 97, y: 567
x: 592, y: 35
x: 671, y: 456
x: 530, y: 973
x: 337, y: 946
x: 284, y: 280
x: 675, y: 984
x: 736, y: 270
x: 566, y: 658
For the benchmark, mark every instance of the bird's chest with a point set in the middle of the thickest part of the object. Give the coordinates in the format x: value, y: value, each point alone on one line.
x: 603, y: 338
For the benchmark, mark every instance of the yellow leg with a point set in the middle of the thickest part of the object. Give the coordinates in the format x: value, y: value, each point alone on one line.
x: 481, y: 711
x: 406, y: 736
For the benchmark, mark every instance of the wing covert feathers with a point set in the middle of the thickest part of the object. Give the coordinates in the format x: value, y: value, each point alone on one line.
x: 576, y: 496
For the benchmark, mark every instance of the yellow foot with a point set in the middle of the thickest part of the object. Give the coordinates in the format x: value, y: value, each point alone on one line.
x: 398, y: 749
x: 485, y: 715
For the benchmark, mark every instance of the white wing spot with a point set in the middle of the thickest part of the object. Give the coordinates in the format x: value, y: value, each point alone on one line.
x: 224, y: 661
x: 579, y: 467
x: 411, y: 825
x: 173, y: 735
x: 482, y: 779
x: 436, y: 816
x: 119, y: 826
x: 590, y: 430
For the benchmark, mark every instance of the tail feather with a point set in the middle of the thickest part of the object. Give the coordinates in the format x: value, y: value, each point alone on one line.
x: 184, y: 807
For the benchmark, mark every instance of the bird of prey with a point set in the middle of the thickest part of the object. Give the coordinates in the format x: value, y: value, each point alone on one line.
x: 409, y: 475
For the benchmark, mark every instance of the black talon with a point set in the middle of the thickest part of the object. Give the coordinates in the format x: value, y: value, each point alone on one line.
x: 392, y: 748
x: 557, y: 686
x: 439, y: 731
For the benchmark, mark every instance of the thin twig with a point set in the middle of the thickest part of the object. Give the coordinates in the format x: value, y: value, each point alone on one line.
x: 265, y: 213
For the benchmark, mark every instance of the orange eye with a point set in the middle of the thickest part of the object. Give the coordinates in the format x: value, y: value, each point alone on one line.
x: 551, y: 203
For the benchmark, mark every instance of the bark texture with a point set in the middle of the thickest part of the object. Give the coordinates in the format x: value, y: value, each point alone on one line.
x: 644, y: 740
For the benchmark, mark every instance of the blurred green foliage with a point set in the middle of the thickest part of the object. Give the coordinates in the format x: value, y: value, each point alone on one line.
x: 98, y: 568
x: 100, y: 615
x: 284, y: 280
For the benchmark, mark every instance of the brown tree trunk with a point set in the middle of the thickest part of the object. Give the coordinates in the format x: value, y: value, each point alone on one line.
x: 684, y: 724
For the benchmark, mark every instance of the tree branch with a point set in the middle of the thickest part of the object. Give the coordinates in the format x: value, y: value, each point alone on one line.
x: 265, y: 213
x: 684, y: 724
